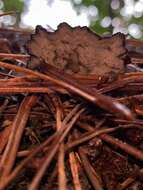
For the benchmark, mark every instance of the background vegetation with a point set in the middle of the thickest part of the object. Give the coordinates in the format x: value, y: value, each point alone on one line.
x: 106, y: 16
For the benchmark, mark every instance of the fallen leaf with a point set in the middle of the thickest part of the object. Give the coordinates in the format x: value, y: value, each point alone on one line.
x: 78, y: 50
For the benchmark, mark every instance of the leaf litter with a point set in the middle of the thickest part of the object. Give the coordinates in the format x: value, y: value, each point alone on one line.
x: 71, y: 110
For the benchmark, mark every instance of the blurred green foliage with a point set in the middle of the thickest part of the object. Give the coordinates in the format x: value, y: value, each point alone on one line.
x: 103, y: 8
x: 14, y: 5
x: 124, y: 15
x: 111, y: 15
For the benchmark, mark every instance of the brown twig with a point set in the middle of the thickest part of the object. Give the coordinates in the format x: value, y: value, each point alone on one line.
x: 61, y: 153
x: 126, y: 183
x: 15, y: 172
x: 52, y: 138
x: 88, y: 136
x: 14, y: 56
x: 101, y: 100
x: 15, y: 90
x: 17, y: 129
x: 91, y: 173
x: 74, y: 171
x: 8, y: 13
x: 138, y: 154
x: 35, y: 183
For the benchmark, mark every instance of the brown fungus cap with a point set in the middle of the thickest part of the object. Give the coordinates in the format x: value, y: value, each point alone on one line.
x: 78, y: 50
